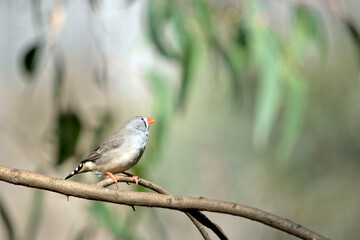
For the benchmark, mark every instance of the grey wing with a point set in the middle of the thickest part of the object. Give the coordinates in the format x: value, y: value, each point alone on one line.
x: 96, y: 154
x: 109, y: 144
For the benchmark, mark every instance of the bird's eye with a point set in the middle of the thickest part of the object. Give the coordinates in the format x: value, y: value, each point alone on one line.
x: 142, y: 119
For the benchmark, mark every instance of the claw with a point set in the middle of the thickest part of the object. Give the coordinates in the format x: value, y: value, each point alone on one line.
x: 110, y: 175
x: 136, y: 178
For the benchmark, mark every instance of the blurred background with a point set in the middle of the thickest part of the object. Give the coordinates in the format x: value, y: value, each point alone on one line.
x: 256, y: 102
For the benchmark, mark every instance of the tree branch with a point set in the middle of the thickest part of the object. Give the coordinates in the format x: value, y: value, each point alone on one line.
x: 198, y: 218
x: 130, y: 198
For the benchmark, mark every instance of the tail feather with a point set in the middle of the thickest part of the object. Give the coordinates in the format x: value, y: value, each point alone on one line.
x: 76, y: 170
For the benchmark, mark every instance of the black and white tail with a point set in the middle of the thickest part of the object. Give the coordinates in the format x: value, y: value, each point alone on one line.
x: 76, y: 170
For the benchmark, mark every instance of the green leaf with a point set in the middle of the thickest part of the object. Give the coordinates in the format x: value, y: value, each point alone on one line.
x: 163, y: 109
x: 86, y: 233
x: 59, y: 77
x: 242, y: 38
x: 294, y: 115
x: 107, y: 217
x: 35, y: 215
x: 158, y: 18
x: 182, y: 29
x: 307, y: 28
x: 102, y: 131
x: 31, y: 58
x: 266, y: 48
x: 354, y: 33
x: 268, y: 103
x: 188, y: 64
x: 7, y: 221
x: 69, y: 127
x: 101, y: 76
x: 204, y: 16
x: 232, y: 58
x: 94, y: 4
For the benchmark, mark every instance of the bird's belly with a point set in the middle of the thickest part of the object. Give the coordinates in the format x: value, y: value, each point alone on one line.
x: 116, y: 161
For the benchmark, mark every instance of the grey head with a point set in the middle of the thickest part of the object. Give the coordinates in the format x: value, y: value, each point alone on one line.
x: 136, y: 131
x: 140, y: 123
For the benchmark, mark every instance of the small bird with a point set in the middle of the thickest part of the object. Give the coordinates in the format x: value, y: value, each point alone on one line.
x: 120, y: 152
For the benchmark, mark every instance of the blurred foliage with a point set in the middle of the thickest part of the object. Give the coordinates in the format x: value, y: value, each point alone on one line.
x: 106, y: 217
x: 35, y: 215
x: 190, y: 34
x: 6, y: 219
x: 202, y: 26
x: 31, y: 59
x: 103, y: 129
x: 354, y: 33
x: 69, y: 128
x: 59, y: 74
x: 163, y: 109
x: 233, y: 43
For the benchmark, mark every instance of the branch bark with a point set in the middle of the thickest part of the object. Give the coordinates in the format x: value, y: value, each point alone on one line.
x: 130, y: 198
x: 198, y: 218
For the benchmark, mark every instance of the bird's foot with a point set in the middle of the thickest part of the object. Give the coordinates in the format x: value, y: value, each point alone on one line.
x: 110, y: 175
x: 136, y: 178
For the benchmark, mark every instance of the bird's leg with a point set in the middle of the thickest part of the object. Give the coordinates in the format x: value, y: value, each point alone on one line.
x: 136, y: 178
x: 110, y: 175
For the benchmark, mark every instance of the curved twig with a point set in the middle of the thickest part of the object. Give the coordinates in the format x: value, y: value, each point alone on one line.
x: 198, y: 218
x: 130, y: 198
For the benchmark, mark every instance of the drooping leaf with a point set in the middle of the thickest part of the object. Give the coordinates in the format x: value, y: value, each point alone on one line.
x: 69, y: 127
x: 204, y: 17
x: 232, y: 58
x: 59, y: 76
x: 163, y: 108
x: 102, y: 131
x: 266, y: 49
x: 31, y: 58
x: 35, y: 215
x: 103, y: 214
x: 182, y: 29
x: 9, y: 227
x: 162, y: 90
x: 36, y: 14
x: 158, y: 19
x: 101, y: 76
x: 354, y: 33
x: 85, y: 233
x: 188, y: 64
x: 267, y: 107
x: 94, y: 4
x: 307, y: 28
x: 242, y: 37
x: 294, y: 115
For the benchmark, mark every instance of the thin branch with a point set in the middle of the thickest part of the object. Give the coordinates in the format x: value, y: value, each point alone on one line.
x: 198, y: 218
x: 145, y: 199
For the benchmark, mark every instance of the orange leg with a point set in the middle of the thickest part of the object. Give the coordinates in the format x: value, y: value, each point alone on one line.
x: 136, y: 178
x: 110, y: 175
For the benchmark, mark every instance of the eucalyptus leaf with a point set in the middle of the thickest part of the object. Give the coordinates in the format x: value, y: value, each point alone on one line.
x: 307, y: 28
x: 104, y: 215
x: 158, y: 18
x: 69, y: 128
x: 59, y: 76
x: 294, y: 115
x: 188, y: 66
x: 5, y: 216
x: 35, y: 215
x: 267, y: 51
x: 103, y: 129
x: 354, y: 33
x: 31, y: 58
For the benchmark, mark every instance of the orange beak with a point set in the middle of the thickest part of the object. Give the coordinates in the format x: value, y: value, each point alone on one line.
x: 151, y: 121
